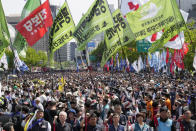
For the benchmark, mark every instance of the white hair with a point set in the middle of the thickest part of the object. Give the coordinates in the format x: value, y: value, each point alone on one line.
x: 63, y: 113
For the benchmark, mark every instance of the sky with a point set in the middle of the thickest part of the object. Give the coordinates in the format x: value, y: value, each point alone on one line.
x: 77, y: 7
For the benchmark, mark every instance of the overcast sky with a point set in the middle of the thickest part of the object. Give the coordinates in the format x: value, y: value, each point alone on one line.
x: 77, y: 7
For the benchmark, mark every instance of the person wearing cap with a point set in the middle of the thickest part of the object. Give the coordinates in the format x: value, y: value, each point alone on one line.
x: 39, y: 124
x: 139, y: 125
x: 185, y: 123
x: 72, y: 119
x: 163, y: 123
x: 62, y: 125
x: 115, y: 126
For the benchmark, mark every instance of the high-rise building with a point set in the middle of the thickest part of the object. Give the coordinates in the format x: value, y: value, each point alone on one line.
x: 185, y: 5
x: 66, y: 52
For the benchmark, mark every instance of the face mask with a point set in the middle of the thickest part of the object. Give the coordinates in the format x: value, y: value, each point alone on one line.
x: 53, y: 112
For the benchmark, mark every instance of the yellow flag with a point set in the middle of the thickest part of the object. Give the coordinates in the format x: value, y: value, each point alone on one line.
x: 60, y: 88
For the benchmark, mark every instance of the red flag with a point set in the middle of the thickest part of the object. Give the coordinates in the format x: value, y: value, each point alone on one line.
x: 167, y: 56
x: 172, y: 64
x: 185, y: 48
x: 34, y: 26
x: 112, y: 61
x: 178, y: 58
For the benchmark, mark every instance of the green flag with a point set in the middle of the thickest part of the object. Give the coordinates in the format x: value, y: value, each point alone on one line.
x: 62, y: 29
x: 97, y: 19
x: 154, y: 16
x: 19, y: 42
x: 4, y: 32
x: 170, y: 31
x: 117, y: 36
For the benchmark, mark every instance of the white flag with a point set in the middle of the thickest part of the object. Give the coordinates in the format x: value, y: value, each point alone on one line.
x: 134, y: 65
x: 3, y: 61
x: 131, y: 5
x: 18, y: 63
x: 194, y: 61
x: 178, y: 41
x: 140, y: 64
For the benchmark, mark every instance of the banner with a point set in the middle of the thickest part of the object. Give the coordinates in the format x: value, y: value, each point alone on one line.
x: 35, y: 25
x: 170, y: 37
x: 117, y: 36
x: 19, y: 42
x: 62, y: 29
x: 152, y: 17
x: 4, y: 33
x: 143, y: 45
x: 97, y: 19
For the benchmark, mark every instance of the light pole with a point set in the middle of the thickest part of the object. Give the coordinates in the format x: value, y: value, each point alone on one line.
x: 119, y: 4
x: 179, y: 3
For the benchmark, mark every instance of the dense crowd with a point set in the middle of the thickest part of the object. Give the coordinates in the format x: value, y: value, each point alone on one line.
x: 98, y: 101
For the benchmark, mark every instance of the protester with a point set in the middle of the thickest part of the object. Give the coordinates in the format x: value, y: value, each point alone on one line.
x: 62, y: 125
x: 163, y: 123
x: 100, y: 101
x: 115, y: 126
x: 140, y: 125
x: 186, y: 123
x: 39, y: 124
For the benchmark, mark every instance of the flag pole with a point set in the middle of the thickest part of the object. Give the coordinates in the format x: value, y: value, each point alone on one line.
x: 119, y: 39
x: 59, y: 59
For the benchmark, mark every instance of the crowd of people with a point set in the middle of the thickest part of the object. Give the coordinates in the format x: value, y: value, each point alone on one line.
x: 98, y: 101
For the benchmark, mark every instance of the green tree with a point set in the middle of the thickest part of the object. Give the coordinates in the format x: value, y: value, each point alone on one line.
x: 98, y: 52
x: 43, y: 58
x: 10, y: 57
x: 190, y: 37
x: 34, y: 58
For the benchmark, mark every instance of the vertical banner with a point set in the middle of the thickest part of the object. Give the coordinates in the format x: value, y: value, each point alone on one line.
x: 19, y: 42
x: 97, y: 19
x: 117, y: 36
x: 4, y: 33
x: 62, y: 29
x: 154, y: 16
x: 34, y: 27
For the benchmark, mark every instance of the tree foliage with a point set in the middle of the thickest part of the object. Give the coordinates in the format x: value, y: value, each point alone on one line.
x: 98, y: 52
x: 10, y: 58
x: 34, y: 58
x: 190, y: 37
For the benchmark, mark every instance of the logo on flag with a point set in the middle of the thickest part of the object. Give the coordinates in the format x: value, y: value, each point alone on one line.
x: 34, y: 26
